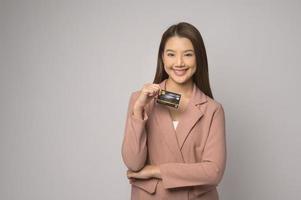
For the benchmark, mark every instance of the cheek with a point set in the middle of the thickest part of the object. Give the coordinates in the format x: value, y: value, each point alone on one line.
x: 191, y: 61
x: 167, y: 69
x: 168, y: 62
x: 193, y: 68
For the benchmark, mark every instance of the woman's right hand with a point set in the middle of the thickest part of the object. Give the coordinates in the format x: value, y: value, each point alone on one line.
x: 147, y: 93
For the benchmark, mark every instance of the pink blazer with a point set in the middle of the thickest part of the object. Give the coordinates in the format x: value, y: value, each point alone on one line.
x: 191, y: 158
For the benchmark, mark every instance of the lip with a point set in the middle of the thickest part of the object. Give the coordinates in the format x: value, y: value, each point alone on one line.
x: 180, y: 72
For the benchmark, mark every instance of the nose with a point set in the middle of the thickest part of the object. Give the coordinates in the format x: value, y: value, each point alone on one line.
x: 180, y: 61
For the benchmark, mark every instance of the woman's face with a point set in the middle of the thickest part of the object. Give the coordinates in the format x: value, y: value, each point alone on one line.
x: 179, y: 59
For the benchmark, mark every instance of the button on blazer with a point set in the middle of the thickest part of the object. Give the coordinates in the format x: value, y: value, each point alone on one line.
x: 191, y: 158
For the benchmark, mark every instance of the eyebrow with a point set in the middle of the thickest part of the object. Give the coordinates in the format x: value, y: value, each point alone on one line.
x: 184, y: 51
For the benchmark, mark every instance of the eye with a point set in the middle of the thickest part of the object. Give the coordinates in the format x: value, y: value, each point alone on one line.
x: 189, y: 54
x: 170, y: 54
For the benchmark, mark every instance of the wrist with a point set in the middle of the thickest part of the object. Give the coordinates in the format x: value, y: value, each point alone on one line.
x: 138, y: 112
x: 138, y: 107
x: 157, y: 172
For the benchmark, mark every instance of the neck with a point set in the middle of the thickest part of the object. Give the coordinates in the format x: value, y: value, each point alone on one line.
x: 184, y: 88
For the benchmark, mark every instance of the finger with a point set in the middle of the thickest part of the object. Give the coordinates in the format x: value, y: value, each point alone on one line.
x: 131, y: 180
x: 155, y: 87
x: 155, y: 90
x: 128, y: 171
x: 146, y: 91
x: 131, y: 174
x: 150, y: 92
x: 158, y: 87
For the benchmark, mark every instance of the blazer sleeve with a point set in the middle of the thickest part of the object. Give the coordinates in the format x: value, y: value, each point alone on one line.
x: 134, y: 147
x: 207, y: 172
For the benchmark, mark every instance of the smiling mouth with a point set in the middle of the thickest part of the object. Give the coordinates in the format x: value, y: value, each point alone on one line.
x: 180, y: 72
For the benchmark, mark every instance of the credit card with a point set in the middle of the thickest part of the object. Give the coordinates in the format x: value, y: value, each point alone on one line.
x: 169, y: 98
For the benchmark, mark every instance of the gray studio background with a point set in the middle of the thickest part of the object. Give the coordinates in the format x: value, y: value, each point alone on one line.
x: 68, y: 68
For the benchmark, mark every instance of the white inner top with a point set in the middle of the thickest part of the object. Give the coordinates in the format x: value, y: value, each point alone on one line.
x: 175, y: 124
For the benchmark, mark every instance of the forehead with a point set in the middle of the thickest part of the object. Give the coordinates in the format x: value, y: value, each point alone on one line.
x: 178, y: 44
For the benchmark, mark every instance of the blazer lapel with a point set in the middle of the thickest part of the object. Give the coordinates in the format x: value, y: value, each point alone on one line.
x: 164, y: 122
x: 193, y: 112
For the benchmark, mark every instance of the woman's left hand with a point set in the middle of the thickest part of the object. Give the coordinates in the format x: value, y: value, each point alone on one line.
x: 149, y: 171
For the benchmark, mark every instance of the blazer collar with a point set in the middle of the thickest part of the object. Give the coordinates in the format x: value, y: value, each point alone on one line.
x: 192, y: 113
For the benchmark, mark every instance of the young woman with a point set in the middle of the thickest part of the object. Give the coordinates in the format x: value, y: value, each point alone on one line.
x: 176, y: 153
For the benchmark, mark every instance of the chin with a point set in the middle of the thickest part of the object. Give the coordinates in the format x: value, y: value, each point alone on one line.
x: 180, y: 80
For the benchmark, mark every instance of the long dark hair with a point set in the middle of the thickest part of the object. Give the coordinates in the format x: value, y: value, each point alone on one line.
x: 186, y: 30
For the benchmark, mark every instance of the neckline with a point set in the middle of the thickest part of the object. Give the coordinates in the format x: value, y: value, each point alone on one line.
x: 187, y: 107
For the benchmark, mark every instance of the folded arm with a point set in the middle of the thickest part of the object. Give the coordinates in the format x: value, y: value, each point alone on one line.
x: 207, y: 172
x: 134, y: 148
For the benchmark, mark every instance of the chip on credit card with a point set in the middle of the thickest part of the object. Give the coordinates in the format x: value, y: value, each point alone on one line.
x: 169, y: 98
